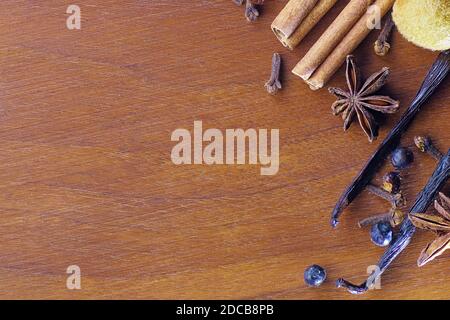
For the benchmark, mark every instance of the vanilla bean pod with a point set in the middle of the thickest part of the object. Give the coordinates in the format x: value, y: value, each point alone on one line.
x: 423, y: 201
x: 434, y: 78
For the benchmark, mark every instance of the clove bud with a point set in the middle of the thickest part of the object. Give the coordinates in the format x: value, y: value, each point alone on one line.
x: 251, y: 12
x: 395, y: 217
x: 274, y: 84
x: 395, y: 199
x: 425, y: 145
x: 392, y: 182
x: 382, y: 45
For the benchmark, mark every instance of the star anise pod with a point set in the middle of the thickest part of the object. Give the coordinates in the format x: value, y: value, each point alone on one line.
x: 360, y: 100
x: 440, y: 224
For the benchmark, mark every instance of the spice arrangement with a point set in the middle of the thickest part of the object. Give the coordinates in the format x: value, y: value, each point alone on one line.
x: 434, y: 78
x: 407, y: 229
x: 395, y: 228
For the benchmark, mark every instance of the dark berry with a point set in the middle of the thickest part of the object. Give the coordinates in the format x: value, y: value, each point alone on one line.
x: 381, y: 234
x: 315, y: 275
x: 402, y: 158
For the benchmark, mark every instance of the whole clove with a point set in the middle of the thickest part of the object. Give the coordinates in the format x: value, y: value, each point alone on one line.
x: 434, y: 78
x: 370, y: 221
x: 382, y: 45
x: 395, y: 199
x: 256, y: 2
x: 392, y: 182
x: 425, y: 145
x: 407, y: 229
x: 390, y: 191
x: 274, y: 84
x: 251, y: 11
x: 394, y: 217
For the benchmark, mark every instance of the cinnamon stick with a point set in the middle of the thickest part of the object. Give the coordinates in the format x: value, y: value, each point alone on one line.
x: 348, y: 44
x: 316, y: 14
x: 290, y: 17
x: 331, y: 38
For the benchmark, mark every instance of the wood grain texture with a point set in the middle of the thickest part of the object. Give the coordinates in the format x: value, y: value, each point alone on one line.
x: 86, y: 176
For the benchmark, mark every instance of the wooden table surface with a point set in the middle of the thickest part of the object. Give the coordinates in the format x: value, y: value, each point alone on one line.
x: 86, y: 175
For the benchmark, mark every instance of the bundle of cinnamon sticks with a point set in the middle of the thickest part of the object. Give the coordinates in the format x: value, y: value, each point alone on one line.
x: 343, y: 35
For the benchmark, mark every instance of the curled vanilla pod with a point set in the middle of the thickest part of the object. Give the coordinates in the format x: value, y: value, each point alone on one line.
x: 407, y: 230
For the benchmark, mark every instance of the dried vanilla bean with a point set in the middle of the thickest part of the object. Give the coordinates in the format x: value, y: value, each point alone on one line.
x: 434, y: 78
x: 407, y: 230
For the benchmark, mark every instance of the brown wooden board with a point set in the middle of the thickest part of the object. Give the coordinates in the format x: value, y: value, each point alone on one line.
x: 86, y: 177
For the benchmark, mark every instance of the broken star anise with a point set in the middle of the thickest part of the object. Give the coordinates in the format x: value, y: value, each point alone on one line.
x: 359, y: 100
x: 437, y: 223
